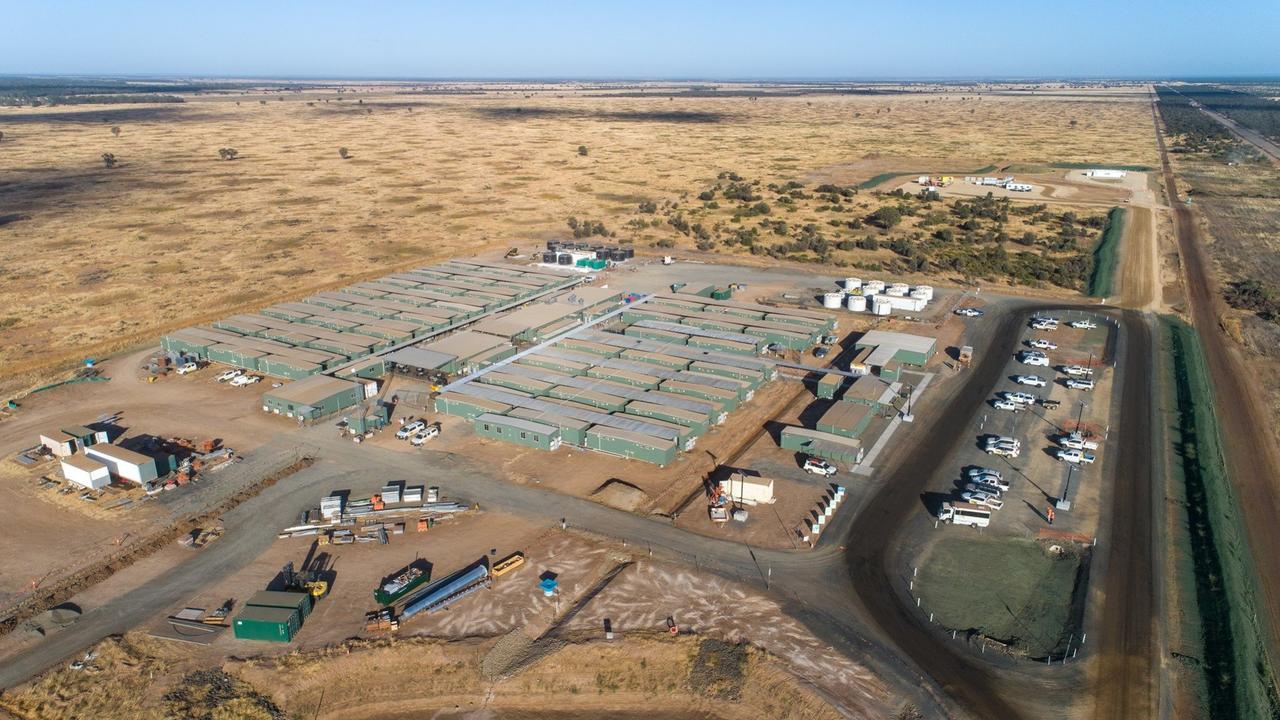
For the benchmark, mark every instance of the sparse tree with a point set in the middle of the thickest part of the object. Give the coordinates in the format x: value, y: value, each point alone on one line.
x: 342, y: 153
x: 1, y: 137
x: 1074, y: 123
x: 228, y: 153
x: 108, y: 160
x: 115, y: 130
x: 262, y: 102
x: 582, y: 150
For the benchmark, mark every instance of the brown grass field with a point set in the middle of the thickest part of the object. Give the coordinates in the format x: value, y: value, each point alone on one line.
x: 101, y: 259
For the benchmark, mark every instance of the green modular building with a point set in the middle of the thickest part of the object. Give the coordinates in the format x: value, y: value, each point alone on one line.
x: 696, y: 422
x: 824, y: 445
x: 891, y: 371
x: 624, y: 377
x: 745, y: 389
x: 727, y: 398
x: 712, y: 324
x: 631, y: 445
x: 572, y: 430
x: 523, y: 384
x: 594, y: 398
x: 686, y: 437
x: 790, y: 340
x: 730, y: 346
x: 564, y: 367
x: 287, y: 368
x: 661, y: 336
x: 467, y: 406
x: 730, y: 371
x: 846, y: 419
x: 298, y: 601
x: 526, y: 433
x: 313, y: 397
x: 587, y: 346
x: 271, y: 624
x: 670, y: 362
x: 828, y: 386
x: 905, y: 348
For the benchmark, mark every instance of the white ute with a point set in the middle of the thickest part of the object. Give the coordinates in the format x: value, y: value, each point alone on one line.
x: 1021, y: 398
x: 1083, y: 324
x: 818, y: 466
x: 983, y: 499
x: 1075, y: 457
x: 1076, y: 441
x: 1002, y: 404
x: 1034, y: 357
x: 425, y: 434
x: 188, y: 368
x: 231, y: 374
x: 1032, y: 380
x: 1077, y: 370
x: 410, y: 430
x: 1075, y: 384
x: 242, y: 380
x: 1042, y: 344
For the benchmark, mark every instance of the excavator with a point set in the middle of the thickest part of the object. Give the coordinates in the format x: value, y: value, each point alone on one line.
x: 312, y: 577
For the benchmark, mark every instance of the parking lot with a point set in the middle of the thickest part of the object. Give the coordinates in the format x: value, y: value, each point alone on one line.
x: 1037, y: 477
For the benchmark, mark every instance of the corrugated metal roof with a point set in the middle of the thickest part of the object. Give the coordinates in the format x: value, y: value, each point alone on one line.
x: 660, y: 372
x: 420, y: 357
x: 635, y: 437
x: 819, y: 436
x: 598, y: 418
x: 465, y: 344
x: 562, y: 421
x: 845, y: 415
x: 535, y: 373
x: 515, y: 422
x: 311, y: 390
x: 898, y: 341
x: 563, y: 354
x: 699, y: 332
x: 683, y: 351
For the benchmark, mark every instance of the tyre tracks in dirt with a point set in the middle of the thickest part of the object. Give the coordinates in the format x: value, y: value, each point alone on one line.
x: 1252, y: 458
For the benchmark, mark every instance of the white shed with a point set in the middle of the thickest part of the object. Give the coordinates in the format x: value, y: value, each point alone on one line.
x: 86, y: 472
x: 1105, y: 174
x: 748, y: 490
x: 124, y: 463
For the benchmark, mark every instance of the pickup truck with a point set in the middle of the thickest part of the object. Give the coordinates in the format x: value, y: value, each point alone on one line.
x: 1076, y: 457
x: 410, y: 430
x: 1077, y: 370
x: 1083, y: 324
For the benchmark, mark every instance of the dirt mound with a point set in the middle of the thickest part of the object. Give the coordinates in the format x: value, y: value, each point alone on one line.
x: 621, y: 495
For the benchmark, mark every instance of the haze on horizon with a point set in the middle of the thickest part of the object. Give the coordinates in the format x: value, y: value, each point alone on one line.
x: 658, y: 39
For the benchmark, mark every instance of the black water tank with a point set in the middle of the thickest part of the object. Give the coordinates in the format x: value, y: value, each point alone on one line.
x: 552, y: 244
x: 602, y: 254
x: 617, y: 255
x: 548, y: 257
x: 630, y: 253
x: 565, y: 259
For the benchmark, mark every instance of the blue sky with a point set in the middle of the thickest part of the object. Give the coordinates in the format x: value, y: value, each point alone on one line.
x: 655, y: 39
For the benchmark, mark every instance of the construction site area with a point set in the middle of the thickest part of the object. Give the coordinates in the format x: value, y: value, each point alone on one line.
x: 544, y: 458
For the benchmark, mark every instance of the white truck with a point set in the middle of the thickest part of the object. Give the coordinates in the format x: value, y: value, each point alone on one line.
x: 1077, y: 370
x: 963, y: 513
x: 1075, y: 384
x: 1034, y: 357
x: 1076, y: 441
x: 1083, y: 324
x: 1075, y: 457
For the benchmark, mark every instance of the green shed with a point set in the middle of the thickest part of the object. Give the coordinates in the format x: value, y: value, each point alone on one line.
x: 467, y: 406
x: 572, y: 430
x: 313, y: 397
x: 846, y: 419
x: 516, y: 430
x: 631, y: 445
x: 271, y: 624
x: 828, y: 386
x: 825, y: 445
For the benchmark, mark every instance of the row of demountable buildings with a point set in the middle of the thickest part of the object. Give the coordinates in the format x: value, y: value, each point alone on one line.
x: 879, y: 298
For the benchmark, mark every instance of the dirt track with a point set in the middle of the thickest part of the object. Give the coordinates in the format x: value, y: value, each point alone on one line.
x: 1253, y: 462
x: 1124, y: 622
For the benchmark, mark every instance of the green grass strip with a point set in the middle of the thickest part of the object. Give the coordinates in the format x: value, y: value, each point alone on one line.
x: 1105, y: 254
x: 1233, y: 659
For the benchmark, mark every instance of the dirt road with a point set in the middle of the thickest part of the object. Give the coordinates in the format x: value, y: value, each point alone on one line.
x: 1140, y: 261
x: 1252, y: 459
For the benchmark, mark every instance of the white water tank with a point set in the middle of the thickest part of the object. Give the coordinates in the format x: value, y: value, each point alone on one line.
x: 832, y: 300
x: 898, y: 290
x: 881, y: 306
x: 925, y: 292
x: 851, y: 284
x: 856, y: 303
x: 872, y: 287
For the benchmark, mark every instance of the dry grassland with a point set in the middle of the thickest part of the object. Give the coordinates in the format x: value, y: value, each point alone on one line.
x: 138, y: 677
x: 103, y: 258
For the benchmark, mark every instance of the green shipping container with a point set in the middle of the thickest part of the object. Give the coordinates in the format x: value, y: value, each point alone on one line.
x: 287, y: 600
x: 269, y: 624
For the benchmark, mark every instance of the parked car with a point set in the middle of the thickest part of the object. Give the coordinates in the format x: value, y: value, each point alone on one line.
x: 1021, y: 398
x: 188, y: 368
x: 775, y: 348
x: 1034, y: 357
x: 981, y: 498
x: 1075, y: 384
x: 1075, y: 457
x: 978, y: 487
x: 821, y: 351
x: 830, y: 339
x: 993, y: 480
x: 1042, y: 344
x: 1002, y: 404
x: 1083, y: 324
x: 1076, y: 441
x: 818, y: 466
x: 969, y: 312
x: 1044, y: 325
x: 425, y: 434
x: 975, y: 470
x: 1032, y: 380
x: 242, y: 380
x: 1077, y: 370
x: 231, y: 374
x: 410, y: 429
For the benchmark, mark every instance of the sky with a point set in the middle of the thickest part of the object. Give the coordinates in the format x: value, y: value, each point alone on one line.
x: 658, y: 39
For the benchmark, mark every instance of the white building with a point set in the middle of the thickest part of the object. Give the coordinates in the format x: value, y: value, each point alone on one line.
x: 86, y: 472
x: 748, y: 490
x: 1104, y: 174
x: 1019, y: 187
x: 124, y: 463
